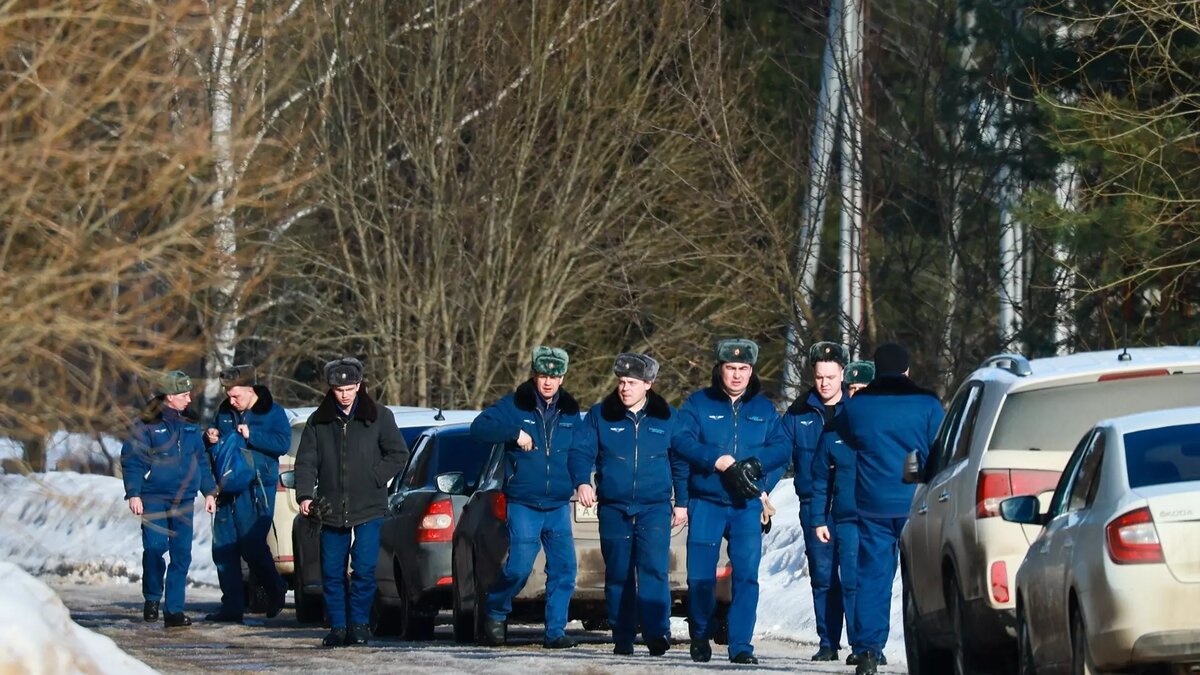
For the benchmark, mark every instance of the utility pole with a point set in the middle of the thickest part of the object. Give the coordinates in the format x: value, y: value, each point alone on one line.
x: 852, y: 194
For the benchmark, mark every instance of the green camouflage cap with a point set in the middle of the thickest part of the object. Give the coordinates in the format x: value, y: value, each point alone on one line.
x: 860, y: 372
x: 174, y: 382
x: 737, y: 350
x: 550, y: 361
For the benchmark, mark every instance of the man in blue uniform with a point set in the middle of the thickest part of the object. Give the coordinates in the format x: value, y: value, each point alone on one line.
x: 809, y: 419
x: 885, y: 421
x: 833, y: 477
x: 627, y: 439
x: 538, y: 422
x: 163, y: 465
x: 244, y: 519
x: 731, y: 436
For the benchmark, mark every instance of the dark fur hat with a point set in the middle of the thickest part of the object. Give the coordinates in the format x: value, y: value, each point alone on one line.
x: 343, y: 371
x: 638, y: 366
x: 737, y: 351
x: 239, y: 376
x: 827, y: 351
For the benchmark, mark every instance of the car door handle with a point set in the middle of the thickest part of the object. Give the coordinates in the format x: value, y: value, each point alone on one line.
x: 923, y: 510
x: 945, y: 496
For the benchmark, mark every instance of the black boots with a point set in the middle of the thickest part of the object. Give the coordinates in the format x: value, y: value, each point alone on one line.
x: 222, y: 617
x: 492, y: 633
x: 658, y: 646
x: 868, y: 664
x: 336, y: 638
x: 150, y: 611
x: 560, y: 642
x: 826, y: 654
x: 744, y: 658
x: 176, y: 620
x: 701, y: 651
x: 358, y: 635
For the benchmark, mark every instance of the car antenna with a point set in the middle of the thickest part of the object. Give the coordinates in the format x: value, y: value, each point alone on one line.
x: 439, y: 417
x: 1125, y: 355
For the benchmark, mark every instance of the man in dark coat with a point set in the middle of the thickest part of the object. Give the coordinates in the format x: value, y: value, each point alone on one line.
x: 350, y: 450
x: 244, y: 519
x: 626, y: 438
x: 163, y: 465
x: 885, y: 421
x: 729, y: 423
x: 538, y: 423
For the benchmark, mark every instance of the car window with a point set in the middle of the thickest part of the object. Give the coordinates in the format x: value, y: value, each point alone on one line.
x: 415, y: 474
x: 462, y: 453
x: 943, y: 444
x: 1083, y: 487
x: 1053, y: 419
x: 1162, y: 456
x: 1058, y: 502
x: 962, y: 435
x: 492, y: 476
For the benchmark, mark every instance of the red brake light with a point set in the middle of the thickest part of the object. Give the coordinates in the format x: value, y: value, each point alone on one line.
x: 438, y: 522
x: 499, y: 507
x: 725, y: 572
x: 1000, y: 581
x: 1129, y: 375
x: 1133, y: 539
x: 996, y: 485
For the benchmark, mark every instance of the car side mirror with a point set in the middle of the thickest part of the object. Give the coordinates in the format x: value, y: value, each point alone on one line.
x: 451, y: 483
x: 1026, y: 509
x: 288, y: 479
x: 912, y: 469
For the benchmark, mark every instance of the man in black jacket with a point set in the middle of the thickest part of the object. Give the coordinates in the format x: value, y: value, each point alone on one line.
x: 350, y: 448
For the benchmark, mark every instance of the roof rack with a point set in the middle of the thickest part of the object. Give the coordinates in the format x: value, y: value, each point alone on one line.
x: 1014, y: 363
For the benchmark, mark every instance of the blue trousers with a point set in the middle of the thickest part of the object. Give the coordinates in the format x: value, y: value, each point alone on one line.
x: 240, y: 530
x: 708, y: 523
x: 637, y: 557
x: 878, y: 556
x: 166, y: 527
x: 828, y: 607
x: 359, y: 544
x: 845, y: 553
x: 528, y: 530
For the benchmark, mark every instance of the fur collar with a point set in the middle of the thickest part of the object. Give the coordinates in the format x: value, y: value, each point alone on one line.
x: 717, y: 393
x: 894, y: 385
x: 152, y: 412
x: 327, y: 412
x: 261, y: 407
x: 612, y: 410
x: 812, y: 402
x: 524, y: 399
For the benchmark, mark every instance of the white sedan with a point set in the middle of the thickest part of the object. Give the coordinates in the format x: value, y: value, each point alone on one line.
x: 1113, y: 580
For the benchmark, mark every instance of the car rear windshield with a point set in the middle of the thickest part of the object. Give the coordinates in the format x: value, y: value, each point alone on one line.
x: 1054, y: 419
x: 1164, y: 455
x: 459, y: 452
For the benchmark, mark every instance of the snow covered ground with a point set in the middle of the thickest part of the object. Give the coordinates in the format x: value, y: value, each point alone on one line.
x: 69, y: 450
x: 37, y: 634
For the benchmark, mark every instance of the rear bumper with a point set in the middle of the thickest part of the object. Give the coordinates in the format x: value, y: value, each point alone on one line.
x: 1177, y: 645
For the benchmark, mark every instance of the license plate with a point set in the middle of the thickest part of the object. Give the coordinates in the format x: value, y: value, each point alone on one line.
x: 585, y: 514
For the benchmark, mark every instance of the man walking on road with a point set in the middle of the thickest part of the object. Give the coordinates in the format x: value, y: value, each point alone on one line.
x: 731, y: 437
x: 538, y: 423
x: 350, y: 449
x: 163, y: 465
x: 244, y: 518
x: 626, y: 438
x: 883, y: 423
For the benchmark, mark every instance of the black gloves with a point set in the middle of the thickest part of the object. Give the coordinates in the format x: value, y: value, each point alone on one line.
x: 742, y: 477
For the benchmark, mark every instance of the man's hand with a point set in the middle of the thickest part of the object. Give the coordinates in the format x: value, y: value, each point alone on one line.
x: 306, y: 507
x: 212, y: 435
x: 823, y: 534
x: 210, y: 504
x: 586, y: 495
x: 678, y: 516
x: 135, y: 506
x: 742, y: 478
x: 524, y: 440
x: 244, y: 430
x: 724, y: 462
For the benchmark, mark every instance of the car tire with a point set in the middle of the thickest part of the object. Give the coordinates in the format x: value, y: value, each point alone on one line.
x: 385, y: 620
x: 310, y: 607
x: 1081, y: 653
x: 965, y: 660
x: 414, y: 625
x: 923, y: 659
x: 1025, y: 662
x: 463, y: 618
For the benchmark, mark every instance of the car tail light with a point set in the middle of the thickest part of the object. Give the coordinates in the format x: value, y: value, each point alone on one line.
x: 499, y: 506
x: 996, y: 485
x: 1132, y: 539
x: 725, y: 572
x: 438, y: 522
x: 1000, y: 581
x: 445, y: 581
x: 1108, y: 377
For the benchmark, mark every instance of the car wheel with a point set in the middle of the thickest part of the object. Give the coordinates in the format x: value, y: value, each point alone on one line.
x: 464, y: 619
x: 310, y: 607
x: 923, y: 659
x: 964, y: 652
x: 414, y: 625
x: 385, y: 621
x: 1025, y: 663
x: 1081, y: 653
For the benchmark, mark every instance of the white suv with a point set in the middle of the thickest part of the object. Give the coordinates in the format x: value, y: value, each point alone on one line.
x: 1009, y: 431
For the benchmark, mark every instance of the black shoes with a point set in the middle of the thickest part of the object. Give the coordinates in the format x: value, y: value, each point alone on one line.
x: 701, y: 651
x: 867, y: 664
x: 336, y: 638
x: 827, y: 654
x: 744, y: 658
x: 852, y: 659
x: 176, y: 620
x: 623, y: 649
x: 658, y: 646
x: 222, y: 617
x: 492, y: 633
x: 358, y: 635
x: 564, y: 642
x: 150, y: 611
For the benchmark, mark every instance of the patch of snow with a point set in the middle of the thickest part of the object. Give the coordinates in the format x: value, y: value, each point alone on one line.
x: 70, y: 450
x: 37, y: 634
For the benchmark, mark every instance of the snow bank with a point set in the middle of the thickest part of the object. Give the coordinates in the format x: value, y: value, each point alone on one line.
x: 38, y: 636
x: 785, y: 608
x: 79, y: 525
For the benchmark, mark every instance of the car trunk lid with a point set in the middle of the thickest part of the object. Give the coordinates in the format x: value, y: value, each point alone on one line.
x: 1029, y: 472
x: 1176, y: 512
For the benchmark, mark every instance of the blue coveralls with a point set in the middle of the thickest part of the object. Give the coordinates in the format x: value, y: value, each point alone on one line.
x: 805, y: 424
x: 537, y: 488
x: 883, y: 423
x: 834, y: 475
x: 636, y: 472
x: 711, y: 426
x: 163, y: 462
x: 243, y: 520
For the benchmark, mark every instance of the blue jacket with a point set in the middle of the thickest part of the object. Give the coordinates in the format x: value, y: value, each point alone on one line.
x: 710, y: 426
x: 834, y: 474
x: 164, y: 457
x: 270, y: 433
x: 804, y: 422
x: 635, y: 465
x: 538, y: 478
x: 884, y: 422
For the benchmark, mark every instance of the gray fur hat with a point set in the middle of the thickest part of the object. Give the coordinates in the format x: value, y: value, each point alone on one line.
x: 638, y: 366
x: 551, y: 361
x: 343, y: 371
x: 737, y: 351
x: 239, y: 376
